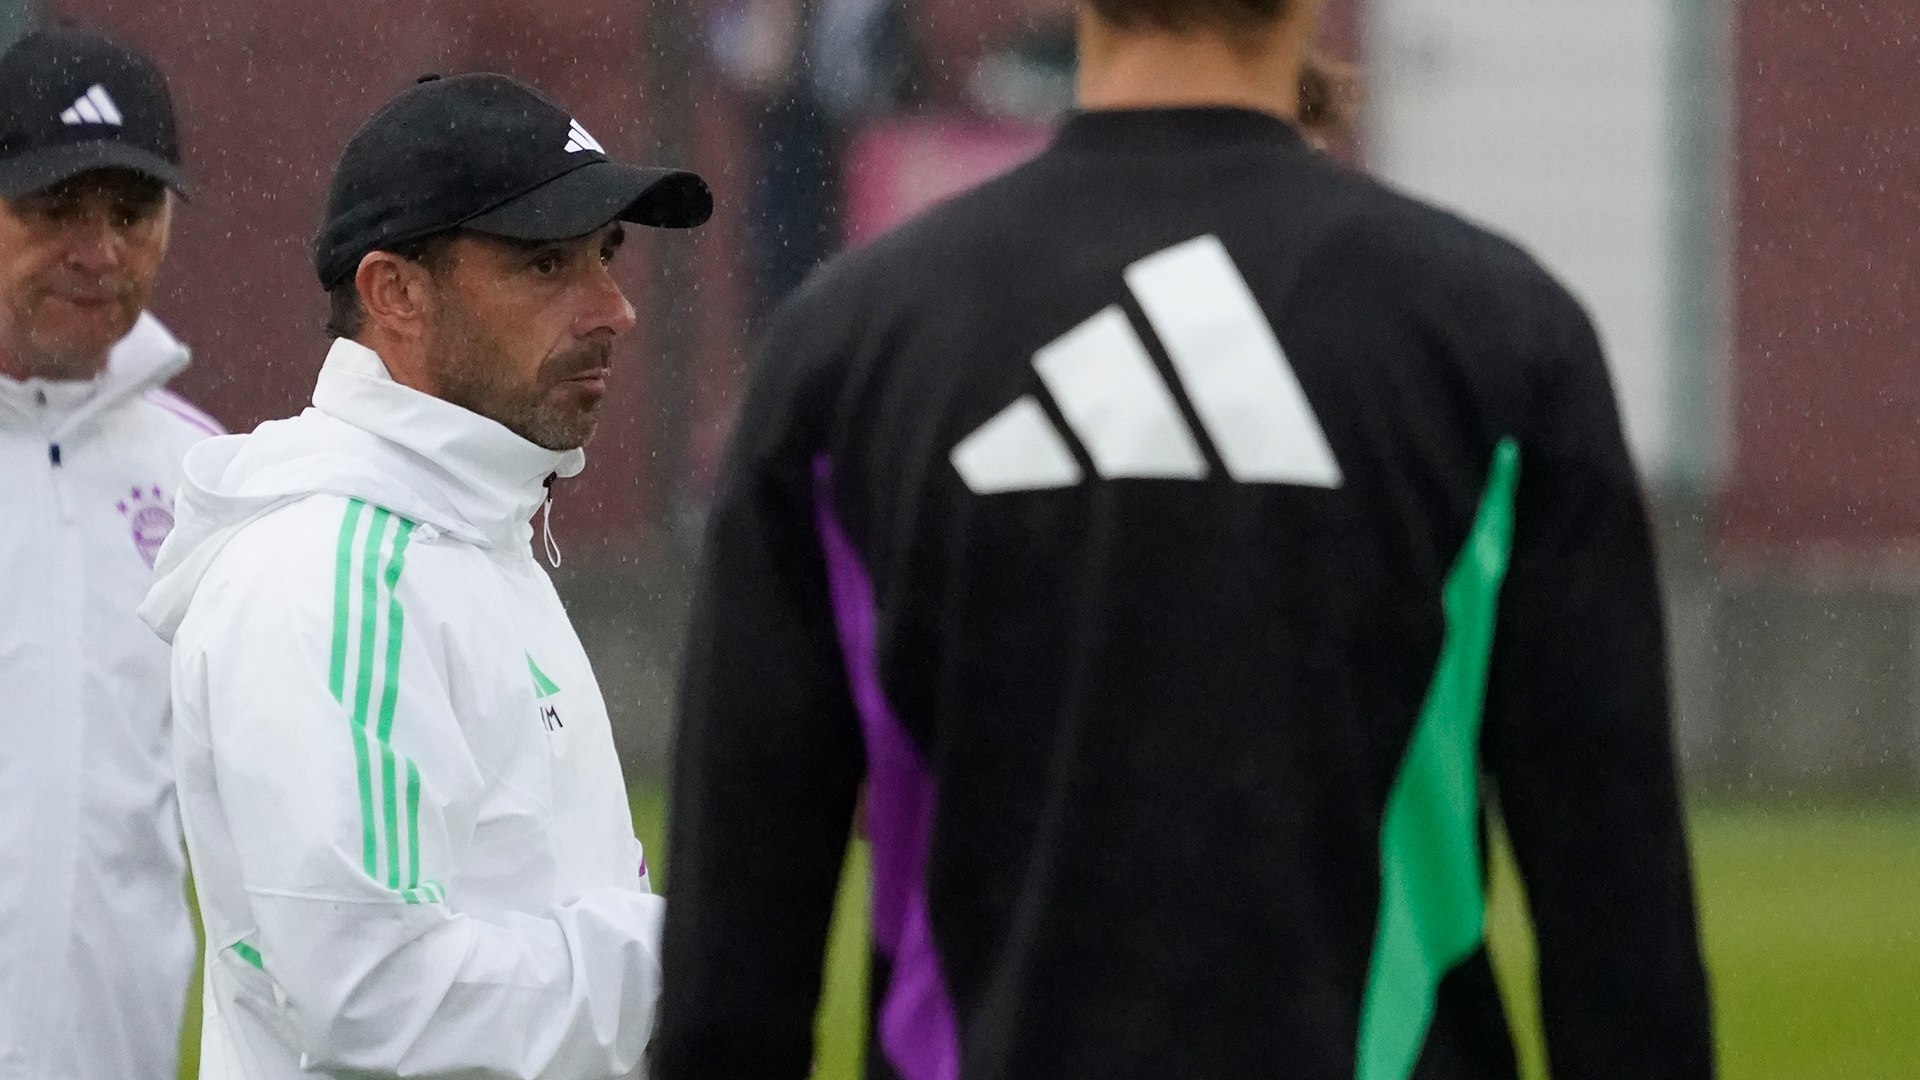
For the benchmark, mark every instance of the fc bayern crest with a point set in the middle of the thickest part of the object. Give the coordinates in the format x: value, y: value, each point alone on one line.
x: 150, y: 518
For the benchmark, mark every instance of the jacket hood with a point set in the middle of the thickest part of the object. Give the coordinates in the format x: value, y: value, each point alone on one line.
x: 147, y: 358
x: 366, y: 437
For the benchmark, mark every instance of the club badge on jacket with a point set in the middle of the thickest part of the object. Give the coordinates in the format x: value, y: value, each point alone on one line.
x: 150, y: 517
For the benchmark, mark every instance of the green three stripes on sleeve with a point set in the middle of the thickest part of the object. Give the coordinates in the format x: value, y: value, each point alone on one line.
x: 367, y: 635
x: 1432, y: 909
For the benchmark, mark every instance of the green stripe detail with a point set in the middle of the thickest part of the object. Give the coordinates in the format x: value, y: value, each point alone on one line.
x: 413, y: 826
x: 343, y: 567
x: 396, y: 620
x: 392, y: 804
x: 250, y: 954
x: 363, y: 683
x: 342, y: 628
x: 368, y: 844
x: 1432, y: 907
x: 369, y: 613
x: 372, y: 716
x: 542, y: 686
x: 389, y: 695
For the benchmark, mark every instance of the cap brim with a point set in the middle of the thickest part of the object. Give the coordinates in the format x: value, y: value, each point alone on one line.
x: 26, y: 173
x: 593, y: 195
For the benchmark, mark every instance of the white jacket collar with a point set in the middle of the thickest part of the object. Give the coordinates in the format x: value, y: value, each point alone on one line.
x: 366, y: 437
x: 497, y: 479
x: 146, y: 359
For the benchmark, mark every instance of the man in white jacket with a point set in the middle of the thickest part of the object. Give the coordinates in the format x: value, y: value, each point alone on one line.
x: 409, y: 831
x: 96, y: 944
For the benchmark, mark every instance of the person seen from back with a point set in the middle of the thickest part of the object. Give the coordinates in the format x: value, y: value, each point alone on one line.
x: 1190, y: 542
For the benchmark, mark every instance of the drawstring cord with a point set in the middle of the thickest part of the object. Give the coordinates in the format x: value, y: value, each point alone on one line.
x: 546, y: 524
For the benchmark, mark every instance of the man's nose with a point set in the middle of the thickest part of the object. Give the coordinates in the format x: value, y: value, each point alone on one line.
x: 607, y: 308
x: 93, y: 244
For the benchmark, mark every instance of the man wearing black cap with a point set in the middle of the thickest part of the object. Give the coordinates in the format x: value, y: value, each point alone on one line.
x: 409, y: 830
x: 96, y: 945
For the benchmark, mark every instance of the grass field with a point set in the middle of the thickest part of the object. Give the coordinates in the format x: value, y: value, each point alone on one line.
x: 1811, y: 917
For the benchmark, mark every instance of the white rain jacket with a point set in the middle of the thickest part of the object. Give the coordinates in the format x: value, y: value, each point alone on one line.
x: 409, y: 833
x: 96, y: 945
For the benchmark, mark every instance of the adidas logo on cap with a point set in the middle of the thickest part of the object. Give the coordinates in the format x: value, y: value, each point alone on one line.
x: 1225, y: 357
x: 93, y: 107
x: 579, y: 142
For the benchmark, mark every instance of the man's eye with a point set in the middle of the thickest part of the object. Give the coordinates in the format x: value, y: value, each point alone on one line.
x: 607, y: 254
x: 56, y: 212
x: 546, y: 264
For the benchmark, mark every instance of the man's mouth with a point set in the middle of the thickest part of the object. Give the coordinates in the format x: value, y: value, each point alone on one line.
x: 85, y: 296
x: 585, y: 369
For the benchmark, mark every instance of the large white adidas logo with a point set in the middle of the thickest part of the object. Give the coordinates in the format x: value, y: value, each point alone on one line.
x: 1111, y: 395
x: 93, y: 107
x: 579, y: 142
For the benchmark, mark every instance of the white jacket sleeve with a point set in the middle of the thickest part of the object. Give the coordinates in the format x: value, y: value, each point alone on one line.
x: 350, y: 791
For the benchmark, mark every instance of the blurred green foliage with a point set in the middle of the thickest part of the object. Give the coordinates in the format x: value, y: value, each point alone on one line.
x: 1811, y: 916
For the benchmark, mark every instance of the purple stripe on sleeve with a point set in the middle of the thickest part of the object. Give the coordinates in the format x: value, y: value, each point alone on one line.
x: 917, y: 1027
x: 185, y: 410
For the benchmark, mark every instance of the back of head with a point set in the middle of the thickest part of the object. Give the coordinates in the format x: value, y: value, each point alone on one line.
x: 1192, y: 16
x: 1328, y: 90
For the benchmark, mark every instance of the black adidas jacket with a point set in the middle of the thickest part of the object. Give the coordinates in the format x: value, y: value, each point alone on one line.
x: 1149, y: 527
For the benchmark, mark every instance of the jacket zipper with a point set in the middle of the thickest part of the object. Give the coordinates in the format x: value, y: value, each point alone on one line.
x: 60, y: 493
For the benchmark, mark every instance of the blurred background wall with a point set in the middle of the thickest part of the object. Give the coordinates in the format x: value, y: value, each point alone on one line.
x: 1725, y: 185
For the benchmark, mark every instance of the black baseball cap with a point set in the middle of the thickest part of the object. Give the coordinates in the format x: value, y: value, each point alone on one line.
x: 72, y: 101
x: 488, y: 153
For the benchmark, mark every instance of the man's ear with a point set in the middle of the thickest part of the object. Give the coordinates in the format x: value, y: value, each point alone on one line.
x: 395, y: 293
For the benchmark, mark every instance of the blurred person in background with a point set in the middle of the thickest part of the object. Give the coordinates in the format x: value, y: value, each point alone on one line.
x: 96, y: 945
x: 1008, y: 59
x: 1173, y: 534
x: 809, y: 74
x: 410, y: 835
x: 770, y: 52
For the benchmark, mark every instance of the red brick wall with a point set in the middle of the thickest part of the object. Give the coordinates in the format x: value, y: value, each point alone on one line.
x: 1826, y: 363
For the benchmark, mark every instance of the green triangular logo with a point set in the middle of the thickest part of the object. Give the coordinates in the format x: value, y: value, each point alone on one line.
x: 542, y: 686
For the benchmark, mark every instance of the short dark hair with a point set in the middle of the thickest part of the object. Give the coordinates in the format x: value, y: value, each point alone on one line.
x: 1186, y: 16
x: 346, y: 317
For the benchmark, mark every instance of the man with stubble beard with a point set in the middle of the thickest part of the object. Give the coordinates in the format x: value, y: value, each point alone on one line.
x: 408, y: 826
x: 95, y: 938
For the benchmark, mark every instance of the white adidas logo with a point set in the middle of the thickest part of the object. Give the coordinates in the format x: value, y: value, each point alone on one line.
x: 1100, y: 375
x: 579, y: 142
x: 93, y: 107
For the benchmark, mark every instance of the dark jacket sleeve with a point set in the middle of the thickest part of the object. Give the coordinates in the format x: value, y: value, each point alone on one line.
x: 768, y: 757
x: 1578, y: 738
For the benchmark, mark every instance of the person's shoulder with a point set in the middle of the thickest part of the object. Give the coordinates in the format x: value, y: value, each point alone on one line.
x: 276, y: 570
x: 180, y: 420
x: 288, y: 540
x: 298, y: 562
x: 301, y: 548
x: 1442, y: 261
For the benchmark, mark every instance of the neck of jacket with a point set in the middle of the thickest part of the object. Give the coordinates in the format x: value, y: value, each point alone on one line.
x: 147, y: 358
x: 475, y: 477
